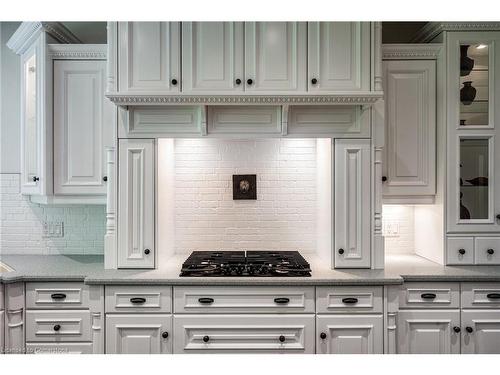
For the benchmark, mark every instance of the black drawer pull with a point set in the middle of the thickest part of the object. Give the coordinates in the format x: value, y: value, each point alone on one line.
x: 282, y: 300
x: 58, y: 296
x: 138, y: 300
x: 206, y: 300
x: 493, y: 296
x: 206, y: 338
x: 349, y: 300
x: 282, y: 338
x: 490, y: 251
x: 57, y: 327
x: 428, y: 296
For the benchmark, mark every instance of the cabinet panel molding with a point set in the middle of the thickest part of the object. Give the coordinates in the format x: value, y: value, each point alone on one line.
x: 485, y: 335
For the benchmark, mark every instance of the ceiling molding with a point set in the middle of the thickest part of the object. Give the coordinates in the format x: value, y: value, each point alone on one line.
x: 433, y: 29
x: 411, y: 51
x: 77, y: 51
x: 27, y: 33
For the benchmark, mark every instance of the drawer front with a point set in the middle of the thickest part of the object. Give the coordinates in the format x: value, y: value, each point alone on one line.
x: 138, y: 298
x: 460, y: 250
x: 244, y: 333
x: 481, y: 295
x: 243, y: 299
x: 57, y: 295
x: 244, y: 120
x: 354, y: 299
x: 430, y: 295
x: 60, y: 348
x: 57, y: 326
x: 487, y: 250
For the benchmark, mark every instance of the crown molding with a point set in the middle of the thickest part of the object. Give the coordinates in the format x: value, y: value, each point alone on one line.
x: 411, y: 51
x: 433, y: 29
x: 365, y: 99
x: 77, y: 51
x: 27, y: 33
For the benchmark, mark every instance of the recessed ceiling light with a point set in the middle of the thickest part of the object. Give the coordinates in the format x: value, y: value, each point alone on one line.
x: 481, y: 46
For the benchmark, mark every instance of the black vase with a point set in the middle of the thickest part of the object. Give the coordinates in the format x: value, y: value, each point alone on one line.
x: 467, y: 93
x: 466, y: 63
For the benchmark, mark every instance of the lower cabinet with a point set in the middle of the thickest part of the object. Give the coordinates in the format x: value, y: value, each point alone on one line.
x: 481, y: 331
x: 243, y: 333
x: 138, y: 333
x: 349, y: 334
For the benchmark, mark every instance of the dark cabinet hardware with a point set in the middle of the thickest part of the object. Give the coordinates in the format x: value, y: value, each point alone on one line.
x: 174, y: 82
x: 469, y: 329
x: 105, y: 178
x: 57, y: 327
x: 58, y: 296
x: 490, y: 251
x: 238, y: 81
x: 341, y: 251
x: 322, y: 335
x: 384, y: 178
x: 282, y: 338
x: 428, y: 296
x: 493, y: 296
x: 314, y: 81
x: 206, y: 338
x: 206, y: 300
x: 138, y: 300
x: 249, y: 81
x: 498, y: 217
x: 281, y: 300
x: 164, y: 334
x: 457, y: 329
x: 147, y: 251
x: 349, y: 300
x: 461, y: 251
x: 35, y: 178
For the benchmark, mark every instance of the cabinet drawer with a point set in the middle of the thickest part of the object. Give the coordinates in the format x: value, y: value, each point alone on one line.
x: 460, y: 250
x: 243, y: 299
x: 57, y: 326
x: 243, y: 332
x: 430, y: 295
x: 481, y: 295
x: 244, y: 120
x: 487, y: 250
x: 138, y: 298
x: 360, y: 299
x: 60, y: 348
x: 57, y: 295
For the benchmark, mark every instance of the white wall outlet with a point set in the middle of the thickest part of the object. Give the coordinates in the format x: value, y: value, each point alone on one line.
x: 53, y: 229
x: 390, y: 228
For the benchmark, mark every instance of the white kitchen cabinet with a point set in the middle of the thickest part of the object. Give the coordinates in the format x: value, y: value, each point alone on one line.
x: 149, y: 58
x: 275, y: 56
x: 81, y: 130
x: 349, y: 334
x: 481, y: 331
x: 428, y: 332
x: 338, y: 56
x: 410, y: 147
x: 2, y: 320
x: 14, y: 341
x: 212, y: 57
x: 352, y: 208
x: 138, y: 334
x: 136, y: 202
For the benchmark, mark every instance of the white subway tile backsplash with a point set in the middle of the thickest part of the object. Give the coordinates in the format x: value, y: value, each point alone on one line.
x: 402, y: 218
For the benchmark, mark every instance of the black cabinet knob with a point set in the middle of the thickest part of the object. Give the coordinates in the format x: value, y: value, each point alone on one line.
x: 35, y: 178
x: 322, y: 335
x: 384, y: 178
x: 314, y: 81
x: 57, y: 327
x: 238, y: 81
x: 206, y: 338
x: 105, y: 178
x: 456, y: 329
x: 249, y: 81
x: 498, y: 217
x: 469, y: 329
x: 164, y: 334
x: 147, y: 251
x: 174, y: 82
x: 490, y: 251
x: 281, y: 338
x: 341, y: 251
x: 461, y: 251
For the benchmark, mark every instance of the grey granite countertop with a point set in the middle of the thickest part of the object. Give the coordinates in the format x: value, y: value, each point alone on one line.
x: 90, y: 268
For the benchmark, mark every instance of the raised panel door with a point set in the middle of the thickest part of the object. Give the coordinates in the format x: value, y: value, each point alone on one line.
x: 481, y: 333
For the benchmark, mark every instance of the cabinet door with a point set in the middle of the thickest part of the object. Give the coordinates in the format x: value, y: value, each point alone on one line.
x: 138, y: 334
x: 484, y: 335
x: 410, y: 88
x: 149, y: 57
x: 136, y: 214
x: 352, y: 203
x: 2, y: 330
x: 428, y: 332
x: 275, y: 56
x: 79, y: 126
x: 212, y: 57
x: 338, y: 56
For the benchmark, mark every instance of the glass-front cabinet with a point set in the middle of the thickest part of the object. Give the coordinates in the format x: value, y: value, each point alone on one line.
x: 473, y: 202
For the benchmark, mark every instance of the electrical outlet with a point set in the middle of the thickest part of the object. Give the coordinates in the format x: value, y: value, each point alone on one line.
x: 390, y: 228
x: 53, y: 229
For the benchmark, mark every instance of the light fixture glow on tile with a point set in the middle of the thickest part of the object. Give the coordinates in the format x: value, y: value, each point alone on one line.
x: 481, y: 46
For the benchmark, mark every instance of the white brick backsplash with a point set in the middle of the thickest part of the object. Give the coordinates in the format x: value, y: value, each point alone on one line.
x: 21, y: 224
x: 404, y: 242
